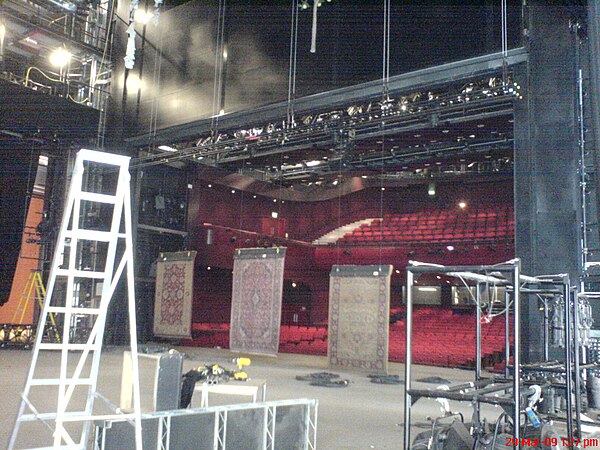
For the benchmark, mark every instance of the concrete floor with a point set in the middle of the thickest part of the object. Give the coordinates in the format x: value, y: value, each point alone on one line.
x: 362, y: 416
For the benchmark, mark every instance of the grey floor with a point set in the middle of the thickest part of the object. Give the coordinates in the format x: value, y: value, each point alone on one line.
x: 362, y: 416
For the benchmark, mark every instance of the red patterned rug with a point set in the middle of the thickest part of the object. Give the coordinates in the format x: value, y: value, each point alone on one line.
x: 173, y: 295
x: 359, y: 308
x: 256, y: 300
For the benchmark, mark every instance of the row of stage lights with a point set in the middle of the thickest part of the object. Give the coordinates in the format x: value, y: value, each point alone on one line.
x: 244, y: 140
x: 305, y: 4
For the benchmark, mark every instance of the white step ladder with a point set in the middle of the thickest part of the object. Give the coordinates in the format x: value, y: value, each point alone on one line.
x: 88, y: 255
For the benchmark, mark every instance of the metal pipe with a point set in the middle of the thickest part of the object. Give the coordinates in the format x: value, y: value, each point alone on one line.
x: 477, y: 406
x: 568, y: 360
x: 506, y: 333
x: 407, y: 367
x: 576, y: 370
x: 478, y: 333
x: 582, y: 171
x: 517, y: 359
x: 546, y: 331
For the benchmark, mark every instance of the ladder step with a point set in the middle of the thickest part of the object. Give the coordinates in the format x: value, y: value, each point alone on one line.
x: 56, y: 381
x: 51, y: 346
x: 80, y: 273
x: 100, y: 198
x: 49, y: 416
x: 64, y: 446
x: 63, y: 310
x: 93, y: 235
x: 103, y: 158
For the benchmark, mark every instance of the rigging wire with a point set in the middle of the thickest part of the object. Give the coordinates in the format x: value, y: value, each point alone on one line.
x: 292, y: 66
x: 384, y: 98
x: 156, y: 83
x: 219, y: 62
x: 387, y: 5
x: 504, y: 34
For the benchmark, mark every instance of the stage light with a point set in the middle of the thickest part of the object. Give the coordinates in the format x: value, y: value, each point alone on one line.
x: 133, y: 83
x: 233, y: 191
x: 274, y: 214
x: 462, y: 205
x: 312, y: 163
x: 208, y: 268
x: 210, y: 185
x: 450, y: 248
x: 304, y: 4
x: 431, y: 189
x: 166, y: 148
x: 142, y: 16
x: 294, y: 285
x: 60, y: 57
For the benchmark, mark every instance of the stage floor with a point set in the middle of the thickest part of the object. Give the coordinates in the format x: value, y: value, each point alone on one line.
x: 363, y: 415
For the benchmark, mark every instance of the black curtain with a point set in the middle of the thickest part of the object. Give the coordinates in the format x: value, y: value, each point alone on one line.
x: 17, y: 174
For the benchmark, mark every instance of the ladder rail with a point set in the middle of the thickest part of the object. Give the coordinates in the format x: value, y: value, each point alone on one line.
x: 58, y: 254
x: 61, y: 433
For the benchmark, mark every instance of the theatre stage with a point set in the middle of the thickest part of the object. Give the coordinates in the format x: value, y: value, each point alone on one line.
x: 363, y: 415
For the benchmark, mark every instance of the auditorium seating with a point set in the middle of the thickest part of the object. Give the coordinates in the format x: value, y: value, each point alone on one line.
x: 441, y: 337
x: 490, y: 224
x: 444, y: 338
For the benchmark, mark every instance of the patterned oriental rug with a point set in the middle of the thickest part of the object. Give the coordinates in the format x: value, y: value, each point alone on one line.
x: 174, y: 294
x: 256, y: 300
x: 359, y: 309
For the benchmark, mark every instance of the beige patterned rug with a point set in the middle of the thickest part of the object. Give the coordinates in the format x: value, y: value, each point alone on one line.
x: 359, y: 305
x: 174, y: 294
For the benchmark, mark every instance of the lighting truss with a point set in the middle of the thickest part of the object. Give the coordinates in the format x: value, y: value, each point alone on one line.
x: 339, y: 128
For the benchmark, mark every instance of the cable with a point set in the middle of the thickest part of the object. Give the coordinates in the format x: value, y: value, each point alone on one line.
x: 80, y: 102
x: 40, y: 71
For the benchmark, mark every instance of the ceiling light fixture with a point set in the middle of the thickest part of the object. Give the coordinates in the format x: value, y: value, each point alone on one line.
x: 60, y: 57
